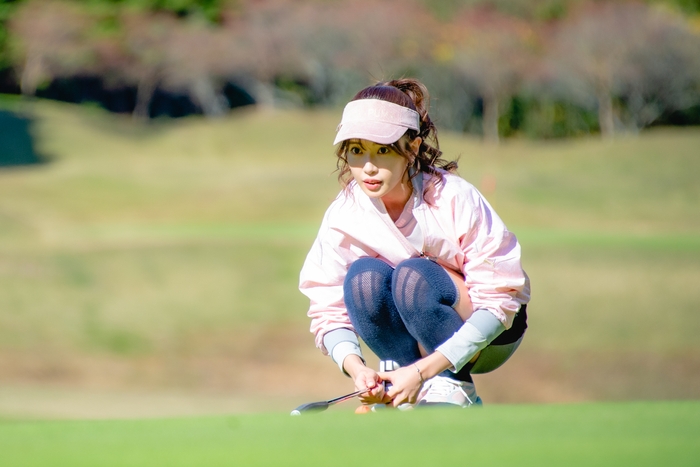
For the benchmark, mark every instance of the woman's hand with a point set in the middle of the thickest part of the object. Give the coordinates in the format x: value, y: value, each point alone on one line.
x: 365, y: 377
x: 368, y: 378
x: 407, y: 381
x: 406, y: 385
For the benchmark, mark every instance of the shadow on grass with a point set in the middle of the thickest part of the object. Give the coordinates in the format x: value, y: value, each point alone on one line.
x: 16, y: 143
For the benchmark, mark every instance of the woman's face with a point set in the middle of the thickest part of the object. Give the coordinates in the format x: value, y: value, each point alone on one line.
x: 379, y: 170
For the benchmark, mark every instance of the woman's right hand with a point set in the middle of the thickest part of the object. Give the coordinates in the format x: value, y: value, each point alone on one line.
x: 368, y: 378
x: 365, y: 378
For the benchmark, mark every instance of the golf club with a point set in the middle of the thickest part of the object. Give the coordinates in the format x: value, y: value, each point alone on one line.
x: 323, y: 405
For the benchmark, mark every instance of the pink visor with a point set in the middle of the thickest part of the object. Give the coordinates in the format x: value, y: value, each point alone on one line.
x: 376, y: 120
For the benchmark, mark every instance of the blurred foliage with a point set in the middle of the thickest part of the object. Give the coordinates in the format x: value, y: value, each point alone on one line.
x: 691, y: 7
x: 531, y: 9
x: 208, y: 10
x: 539, y: 68
x: 6, y: 9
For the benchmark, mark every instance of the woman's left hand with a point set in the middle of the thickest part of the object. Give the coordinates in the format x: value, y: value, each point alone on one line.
x: 406, y: 385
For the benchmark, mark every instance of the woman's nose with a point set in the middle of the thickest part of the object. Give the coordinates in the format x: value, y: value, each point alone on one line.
x: 369, y: 168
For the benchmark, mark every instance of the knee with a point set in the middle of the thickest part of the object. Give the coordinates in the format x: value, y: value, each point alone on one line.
x: 368, y: 265
x: 419, y: 284
x: 367, y: 287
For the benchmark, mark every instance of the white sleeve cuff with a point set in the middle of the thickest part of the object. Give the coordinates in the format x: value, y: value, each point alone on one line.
x: 340, y: 343
x: 463, y: 345
x: 343, y: 350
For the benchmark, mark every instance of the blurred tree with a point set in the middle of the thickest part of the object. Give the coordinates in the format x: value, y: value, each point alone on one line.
x: 321, y: 50
x: 494, y: 53
x: 361, y: 39
x: 141, y: 54
x: 524, y: 9
x: 7, y: 8
x: 627, y: 51
x: 664, y: 70
x: 207, y: 10
x: 481, y: 58
x: 150, y: 50
x: 48, y: 39
x: 690, y: 7
x: 591, y: 48
x: 197, y: 55
x: 266, y: 32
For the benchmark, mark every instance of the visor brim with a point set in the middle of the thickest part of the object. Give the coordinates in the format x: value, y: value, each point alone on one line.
x: 380, y: 133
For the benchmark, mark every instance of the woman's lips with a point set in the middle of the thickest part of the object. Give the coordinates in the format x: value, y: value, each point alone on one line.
x: 373, y: 185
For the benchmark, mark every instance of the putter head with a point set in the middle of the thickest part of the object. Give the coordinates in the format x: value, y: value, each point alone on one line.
x: 311, y: 407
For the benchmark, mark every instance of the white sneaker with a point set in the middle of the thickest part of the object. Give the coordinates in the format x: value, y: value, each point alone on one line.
x: 447, y: 391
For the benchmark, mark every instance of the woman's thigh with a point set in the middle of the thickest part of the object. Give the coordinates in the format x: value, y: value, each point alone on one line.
x: 463, y: 306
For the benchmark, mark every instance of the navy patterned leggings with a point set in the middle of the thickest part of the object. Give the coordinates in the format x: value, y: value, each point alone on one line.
x: 393, y: 310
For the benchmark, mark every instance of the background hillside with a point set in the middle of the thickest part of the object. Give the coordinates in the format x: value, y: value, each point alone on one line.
x: 153, y: 270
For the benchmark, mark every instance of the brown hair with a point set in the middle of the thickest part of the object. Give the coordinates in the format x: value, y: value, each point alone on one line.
x: 413, y: 94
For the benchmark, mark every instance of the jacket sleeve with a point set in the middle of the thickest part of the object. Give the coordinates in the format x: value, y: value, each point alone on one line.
x: 321, y: 280
x: 492, y: 267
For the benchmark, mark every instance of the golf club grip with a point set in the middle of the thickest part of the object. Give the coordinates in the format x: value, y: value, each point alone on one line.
x: 319, y: 406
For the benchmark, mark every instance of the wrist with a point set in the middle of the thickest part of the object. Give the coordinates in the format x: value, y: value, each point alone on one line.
x: 432, y: 365
x: 353, y: 364
x: 419, y: 373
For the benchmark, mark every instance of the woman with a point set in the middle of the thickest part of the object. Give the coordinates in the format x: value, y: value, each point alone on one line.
x: 411, y: 258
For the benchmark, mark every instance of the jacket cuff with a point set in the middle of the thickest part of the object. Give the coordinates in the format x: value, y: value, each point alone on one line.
x: 487, y: 323
x: 341, y: 343
x: 474, y: 335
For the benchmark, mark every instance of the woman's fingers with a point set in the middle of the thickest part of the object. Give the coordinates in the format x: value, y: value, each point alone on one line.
x: 405, y: 386
x: 404, y: 383
x: 369, y: 379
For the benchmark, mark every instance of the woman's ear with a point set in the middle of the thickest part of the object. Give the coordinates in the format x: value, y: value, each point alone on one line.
x: 415, y: 144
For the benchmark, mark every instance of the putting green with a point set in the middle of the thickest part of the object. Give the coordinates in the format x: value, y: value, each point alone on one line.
x: 639, y: 434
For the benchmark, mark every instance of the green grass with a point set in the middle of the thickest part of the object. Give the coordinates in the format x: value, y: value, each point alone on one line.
x: 620, y: 434
x: 180, y: 243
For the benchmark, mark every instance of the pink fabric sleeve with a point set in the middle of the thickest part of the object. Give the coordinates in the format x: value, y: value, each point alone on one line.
x: 492, y: 268
x: 321, y: 280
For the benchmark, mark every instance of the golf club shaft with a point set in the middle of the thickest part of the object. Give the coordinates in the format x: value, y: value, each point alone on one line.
x: 346, y: 397
x: 323, y: 405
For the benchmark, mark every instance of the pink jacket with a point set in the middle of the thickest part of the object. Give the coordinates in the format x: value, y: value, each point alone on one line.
x: 460, y: 230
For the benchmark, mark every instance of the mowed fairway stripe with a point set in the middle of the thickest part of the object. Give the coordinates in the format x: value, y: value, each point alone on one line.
x: 619, y: 434
x: 124, y: 236
x: 130, y: 234
x: 617, y: 240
